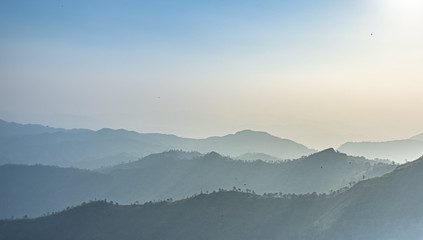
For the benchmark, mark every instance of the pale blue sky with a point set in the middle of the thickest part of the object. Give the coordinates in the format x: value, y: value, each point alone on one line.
x: 318, y: 72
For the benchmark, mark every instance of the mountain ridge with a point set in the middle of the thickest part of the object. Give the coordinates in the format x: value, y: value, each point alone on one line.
x: 105, y: 147
x: 174, y: 174
x: 378, y: 208
x: 418, y: 137
x: 399, y: 151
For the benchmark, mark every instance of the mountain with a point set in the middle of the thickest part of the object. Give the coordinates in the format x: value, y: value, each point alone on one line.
x: 398, y: 150
x: 248, y: 141
x: 34, y: 190
x: 257, y: 156
x: 11, y: 129
x: 387, y: 207
x: 36, y: 144
x: 91, y: 149
x: 418, y: 137
x: 40, y: 189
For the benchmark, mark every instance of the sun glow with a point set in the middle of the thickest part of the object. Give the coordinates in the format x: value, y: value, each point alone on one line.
x: 404, y: 8
x: 404, y: 16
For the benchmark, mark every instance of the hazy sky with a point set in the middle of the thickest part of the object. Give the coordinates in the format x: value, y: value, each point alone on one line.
x: 318, y: 72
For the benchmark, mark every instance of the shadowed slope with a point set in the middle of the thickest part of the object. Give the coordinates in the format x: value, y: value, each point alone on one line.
x: 387, y: 207
x: 33, y: 190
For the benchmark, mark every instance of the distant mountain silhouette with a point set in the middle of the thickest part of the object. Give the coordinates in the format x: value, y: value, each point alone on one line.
x: 248, y: 141
x: 34, y: 190
x: 11, y: 129
x: 398, y: 150
x: 36, y: 144
x: 387, y: 207
x: 418, y: 137
x: 258, y: 156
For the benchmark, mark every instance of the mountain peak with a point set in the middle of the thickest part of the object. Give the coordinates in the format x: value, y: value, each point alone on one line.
x: 330, y: 152
x: 212, y: 154
x: 249, y: 132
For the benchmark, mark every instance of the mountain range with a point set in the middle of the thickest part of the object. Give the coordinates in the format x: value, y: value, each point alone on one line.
x: 399, y: 151
x: 35, y: 190
x: 386, y: 207
x: 82, y: 148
